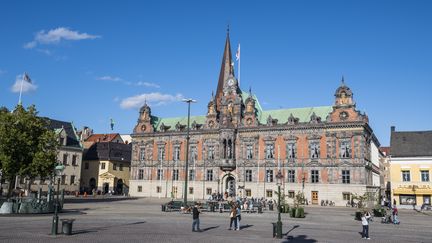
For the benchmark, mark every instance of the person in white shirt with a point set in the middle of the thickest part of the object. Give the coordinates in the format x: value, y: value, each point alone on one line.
x: 364, y: 220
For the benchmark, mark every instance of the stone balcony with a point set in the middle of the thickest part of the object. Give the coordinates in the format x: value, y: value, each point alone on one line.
x: 227, y: 165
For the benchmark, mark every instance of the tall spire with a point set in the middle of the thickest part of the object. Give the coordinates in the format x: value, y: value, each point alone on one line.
x: 226, y: 69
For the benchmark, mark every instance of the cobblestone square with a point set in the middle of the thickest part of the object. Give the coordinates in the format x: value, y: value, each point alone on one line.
x: 141, y: 220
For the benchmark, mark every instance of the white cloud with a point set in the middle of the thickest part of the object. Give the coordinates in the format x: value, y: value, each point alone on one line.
x: 26, y: 86
x: 148, y: 84
x: 151, y: 98
x: 54, y: 36
x: 109, y: 78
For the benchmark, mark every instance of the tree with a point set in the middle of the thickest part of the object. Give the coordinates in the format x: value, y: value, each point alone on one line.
x: 28, y: 148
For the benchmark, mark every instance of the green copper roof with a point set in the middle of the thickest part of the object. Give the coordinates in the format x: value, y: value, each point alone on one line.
x: 303, y: 114
x: 173, y: 121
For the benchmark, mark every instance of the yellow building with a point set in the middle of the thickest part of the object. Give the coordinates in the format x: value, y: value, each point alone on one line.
x: 410, y: 168
x: 106, y: 168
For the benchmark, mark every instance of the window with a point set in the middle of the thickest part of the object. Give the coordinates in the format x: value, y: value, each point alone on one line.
x: 406, y: 175
x: 249, y: 175
x: 114, y: 166
x: 74, y: 160
x: 194, y: 154
x: 269, y: 175
x: 249, y: 151
x: 65, y: 156
x: 86, y: 165
x: 63, y: 179
x: 139, y: 189
x: 102, y: 166
x: 269, y: 193
x: 248, y: 192
x: 407, y: 199
x: 345, y: 151
x: 209, y: 191
x: 314, y: 150
x: 314, y: 176
x: 291, y: 176
x: 161, y: 153
x: 160, y: 174
x: 72, y: 179
x: 291, y: 151
x: 211, y: 152
x: 209, y: 175
x: 346, y: 196
x: 291, y: 194
x: 191, y: 175
x: 175, y: 174
x: 424, y: 175
x: 142, y: 154
x: 174, y: 190
x: 62, y: 140
x: 346, y: 177
x: 158, y: 189
x: 269, y: 151
x: 176, y: 153
x: 140, y: 174
x: 191, y: 190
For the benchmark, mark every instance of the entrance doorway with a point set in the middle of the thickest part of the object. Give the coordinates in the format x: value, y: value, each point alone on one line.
x: 230, y: 186
x: 105, y: 188
x: 92, y: 184
x: 315, y: 197
x: 427, y: 199
x: 119, y: 186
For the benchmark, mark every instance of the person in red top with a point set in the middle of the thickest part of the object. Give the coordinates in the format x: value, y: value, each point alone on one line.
x: 395, y: 216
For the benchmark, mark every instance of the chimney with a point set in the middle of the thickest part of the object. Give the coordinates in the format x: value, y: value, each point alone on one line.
x: 392, y: 128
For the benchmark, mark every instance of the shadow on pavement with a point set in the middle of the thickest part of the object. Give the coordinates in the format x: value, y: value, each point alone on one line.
x: 209, y: 228
x: 293, y: 228
x: 299, y: 238
x: 245, y: 226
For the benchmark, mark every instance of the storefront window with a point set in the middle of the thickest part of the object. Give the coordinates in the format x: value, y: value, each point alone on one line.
x: 407, y: 199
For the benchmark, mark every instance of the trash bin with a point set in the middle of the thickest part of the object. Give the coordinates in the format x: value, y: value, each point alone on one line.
x: 163, y: 207
x: 274, y: 229
x: 67, y: 226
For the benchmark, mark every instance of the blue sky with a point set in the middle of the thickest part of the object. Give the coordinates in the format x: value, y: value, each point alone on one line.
x: 88, y: 58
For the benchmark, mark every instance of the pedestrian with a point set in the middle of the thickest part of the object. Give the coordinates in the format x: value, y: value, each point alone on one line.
x: 233, y: 217
x: 364, y: 220
x: 238, y: 216
x: 195, y: 218
x: 395, y: 216
x: 394, y: 202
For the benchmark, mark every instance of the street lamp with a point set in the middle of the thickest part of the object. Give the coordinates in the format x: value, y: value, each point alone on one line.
x: 54, y: 227
x: 189, y: 101
x: 279, y: 180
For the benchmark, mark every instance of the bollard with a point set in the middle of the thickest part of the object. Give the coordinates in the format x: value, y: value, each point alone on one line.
x: 67, y: 226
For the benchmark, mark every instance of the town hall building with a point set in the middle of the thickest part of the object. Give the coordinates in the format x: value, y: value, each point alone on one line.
x: 237, y: 148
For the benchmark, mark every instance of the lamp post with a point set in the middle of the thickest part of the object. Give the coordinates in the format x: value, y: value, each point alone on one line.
x: 54, y: 227
x: 189, y: 101
x: 279, y: 179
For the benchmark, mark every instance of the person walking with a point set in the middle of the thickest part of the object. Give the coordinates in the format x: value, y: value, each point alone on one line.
x: 395, y: 216
x: 233, y: 217
x: 238, y: 216
x: 364, y: 220
x: 195, y: 218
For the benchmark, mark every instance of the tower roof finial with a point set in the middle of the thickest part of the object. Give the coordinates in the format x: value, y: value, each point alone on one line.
x: 343, y: 80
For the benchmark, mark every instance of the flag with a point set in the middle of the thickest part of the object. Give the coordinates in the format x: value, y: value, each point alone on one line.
x: 26, y: 78
x: 238, y: 53
x: 112, y: 124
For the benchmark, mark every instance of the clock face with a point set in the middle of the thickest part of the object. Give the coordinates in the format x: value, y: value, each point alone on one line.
x: 143, y: 128
x: 231, y: 82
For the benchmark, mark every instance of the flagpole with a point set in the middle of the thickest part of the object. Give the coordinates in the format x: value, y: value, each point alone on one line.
x: 22, y: 82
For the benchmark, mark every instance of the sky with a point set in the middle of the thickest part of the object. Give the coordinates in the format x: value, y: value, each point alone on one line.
x: 90, y: 61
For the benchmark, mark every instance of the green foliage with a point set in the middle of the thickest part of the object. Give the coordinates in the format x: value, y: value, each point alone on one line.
x: 299, y: 199
x: 299, y: 213
x: 28, y: 148
x: 360, y: 200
